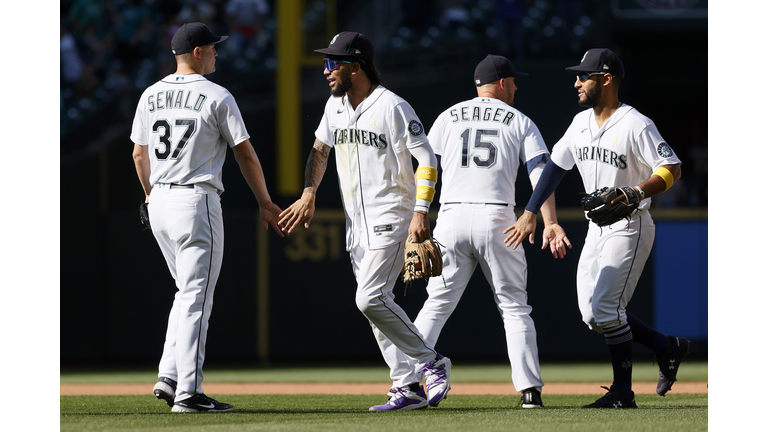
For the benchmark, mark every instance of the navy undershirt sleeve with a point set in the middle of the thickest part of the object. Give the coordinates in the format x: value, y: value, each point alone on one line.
x: 551, y: 176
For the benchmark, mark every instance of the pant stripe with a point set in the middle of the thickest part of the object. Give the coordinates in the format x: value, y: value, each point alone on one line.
x: 393, y: 312
x: 205, y: 297
x: 629, y: 274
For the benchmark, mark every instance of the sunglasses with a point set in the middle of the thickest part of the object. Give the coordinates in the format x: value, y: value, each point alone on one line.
x: 585, y: 75
x: 332, y: 64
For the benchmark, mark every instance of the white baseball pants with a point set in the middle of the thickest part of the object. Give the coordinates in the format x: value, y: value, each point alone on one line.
x: 610, y: 266
x: 472, y: 234
x: 376, y: 272
x: 189, y: 228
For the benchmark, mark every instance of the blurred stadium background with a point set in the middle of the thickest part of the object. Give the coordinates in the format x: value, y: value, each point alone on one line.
x: 292, y: 300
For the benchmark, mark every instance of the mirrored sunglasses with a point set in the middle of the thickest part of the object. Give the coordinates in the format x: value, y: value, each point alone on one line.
x: 332, y: 64
x: 585, y: 75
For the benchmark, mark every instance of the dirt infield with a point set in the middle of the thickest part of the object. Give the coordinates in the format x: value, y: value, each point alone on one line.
x: 370, y: 388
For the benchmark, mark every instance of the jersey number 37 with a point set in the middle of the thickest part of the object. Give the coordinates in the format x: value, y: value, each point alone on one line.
x: 164, y: 128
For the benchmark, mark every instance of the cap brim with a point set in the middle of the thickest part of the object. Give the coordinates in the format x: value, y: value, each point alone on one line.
x: 334, y: 52
x: 580, y: 68
x: 217, y: 39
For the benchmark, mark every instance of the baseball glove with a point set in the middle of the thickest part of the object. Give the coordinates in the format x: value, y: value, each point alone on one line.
x: 422, y: 260
x: 144, y: 215
x: 600, y: 210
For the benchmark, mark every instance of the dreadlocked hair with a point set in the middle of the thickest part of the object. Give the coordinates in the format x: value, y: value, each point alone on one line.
x: 370, y: 71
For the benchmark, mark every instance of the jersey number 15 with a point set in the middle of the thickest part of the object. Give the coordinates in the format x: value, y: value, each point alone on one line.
x: 490, y: 160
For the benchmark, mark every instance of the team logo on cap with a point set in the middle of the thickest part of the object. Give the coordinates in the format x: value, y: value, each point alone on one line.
x: 334, y: 39
x: 665, y: 150
x: 415, y: 128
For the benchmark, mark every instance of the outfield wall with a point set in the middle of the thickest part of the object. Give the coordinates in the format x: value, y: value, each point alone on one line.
x: 293, y: 299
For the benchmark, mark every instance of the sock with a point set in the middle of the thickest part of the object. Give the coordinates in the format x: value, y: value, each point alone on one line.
x: 619, y: 340
x: 646, y: 335
x: 414, y: 387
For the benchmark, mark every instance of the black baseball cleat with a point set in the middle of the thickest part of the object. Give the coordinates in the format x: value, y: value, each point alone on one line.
x: 165, y: 389
x: 614, y: 399
x: 201, y: 403
x: 669, y: 362
x: 531, y: 398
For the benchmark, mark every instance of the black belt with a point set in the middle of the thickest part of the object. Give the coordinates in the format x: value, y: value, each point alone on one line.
x: 175, y: 185
x: 498, y: 204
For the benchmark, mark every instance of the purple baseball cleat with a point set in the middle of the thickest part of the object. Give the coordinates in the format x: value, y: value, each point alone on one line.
x: 437, y: 374
x: 401, y: 398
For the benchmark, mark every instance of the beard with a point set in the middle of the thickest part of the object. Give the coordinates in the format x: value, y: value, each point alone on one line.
x: 343, y: 84
x: 591, y: 97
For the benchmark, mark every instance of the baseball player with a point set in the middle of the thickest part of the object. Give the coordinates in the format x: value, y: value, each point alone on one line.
x: 481, y: 143
x: 182, y: 129
x: 612, y: 144
x: 375, y: 133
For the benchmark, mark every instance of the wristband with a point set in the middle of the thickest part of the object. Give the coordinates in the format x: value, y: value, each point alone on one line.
x: 422, y: 206
x: 665, y: 175
x: 425, y: 192
x: 642, y: 192
x: 427, y: 173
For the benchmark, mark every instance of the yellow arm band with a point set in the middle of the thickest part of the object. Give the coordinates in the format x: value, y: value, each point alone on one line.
x: 666, y: 175
x: 425, y: 192
x: 427, y: 173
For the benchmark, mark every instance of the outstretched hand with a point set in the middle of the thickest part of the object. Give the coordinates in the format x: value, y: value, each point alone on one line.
x: 301, y: 211
x: 524, y: 227
x: 269, y: 215
x: 554, y: 237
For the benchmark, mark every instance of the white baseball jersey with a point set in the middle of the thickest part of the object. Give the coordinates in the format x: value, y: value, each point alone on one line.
x: 624, y: 152
x: 187, y: 122
x: 374, y: 165
x: 482, y: 142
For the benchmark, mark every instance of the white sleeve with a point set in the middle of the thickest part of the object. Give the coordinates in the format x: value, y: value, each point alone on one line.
x: 424, y: 154
x: 323, y: 131
x: 406, y: 126
x: 138, y: 129
x: 535, y: 174
x: 435, y: 135
x: 231, y: 124
x: 562, y: 154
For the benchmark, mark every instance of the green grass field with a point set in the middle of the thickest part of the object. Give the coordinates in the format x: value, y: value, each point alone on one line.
x: 679, y: 412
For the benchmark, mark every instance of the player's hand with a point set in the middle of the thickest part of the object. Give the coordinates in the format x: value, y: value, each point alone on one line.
x: 523, y: 227
x: 301, y: 211
x: 270, y: 214
x: 419, y: 228
x: 554, y: 237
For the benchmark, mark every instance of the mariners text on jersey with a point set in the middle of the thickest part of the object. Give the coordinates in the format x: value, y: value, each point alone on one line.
x: 174, y: 99
x: 601, y: 154
x: 499, y: 115
x: 359, y: 136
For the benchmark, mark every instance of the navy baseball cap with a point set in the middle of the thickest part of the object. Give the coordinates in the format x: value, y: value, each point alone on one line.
x: 192, y: 35
x: 350, y: 44
x: 600, y: 60
x: 493, y: 68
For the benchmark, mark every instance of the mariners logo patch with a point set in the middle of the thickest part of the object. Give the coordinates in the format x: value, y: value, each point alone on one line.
x: 415, y: 128
x: 665, y: 150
